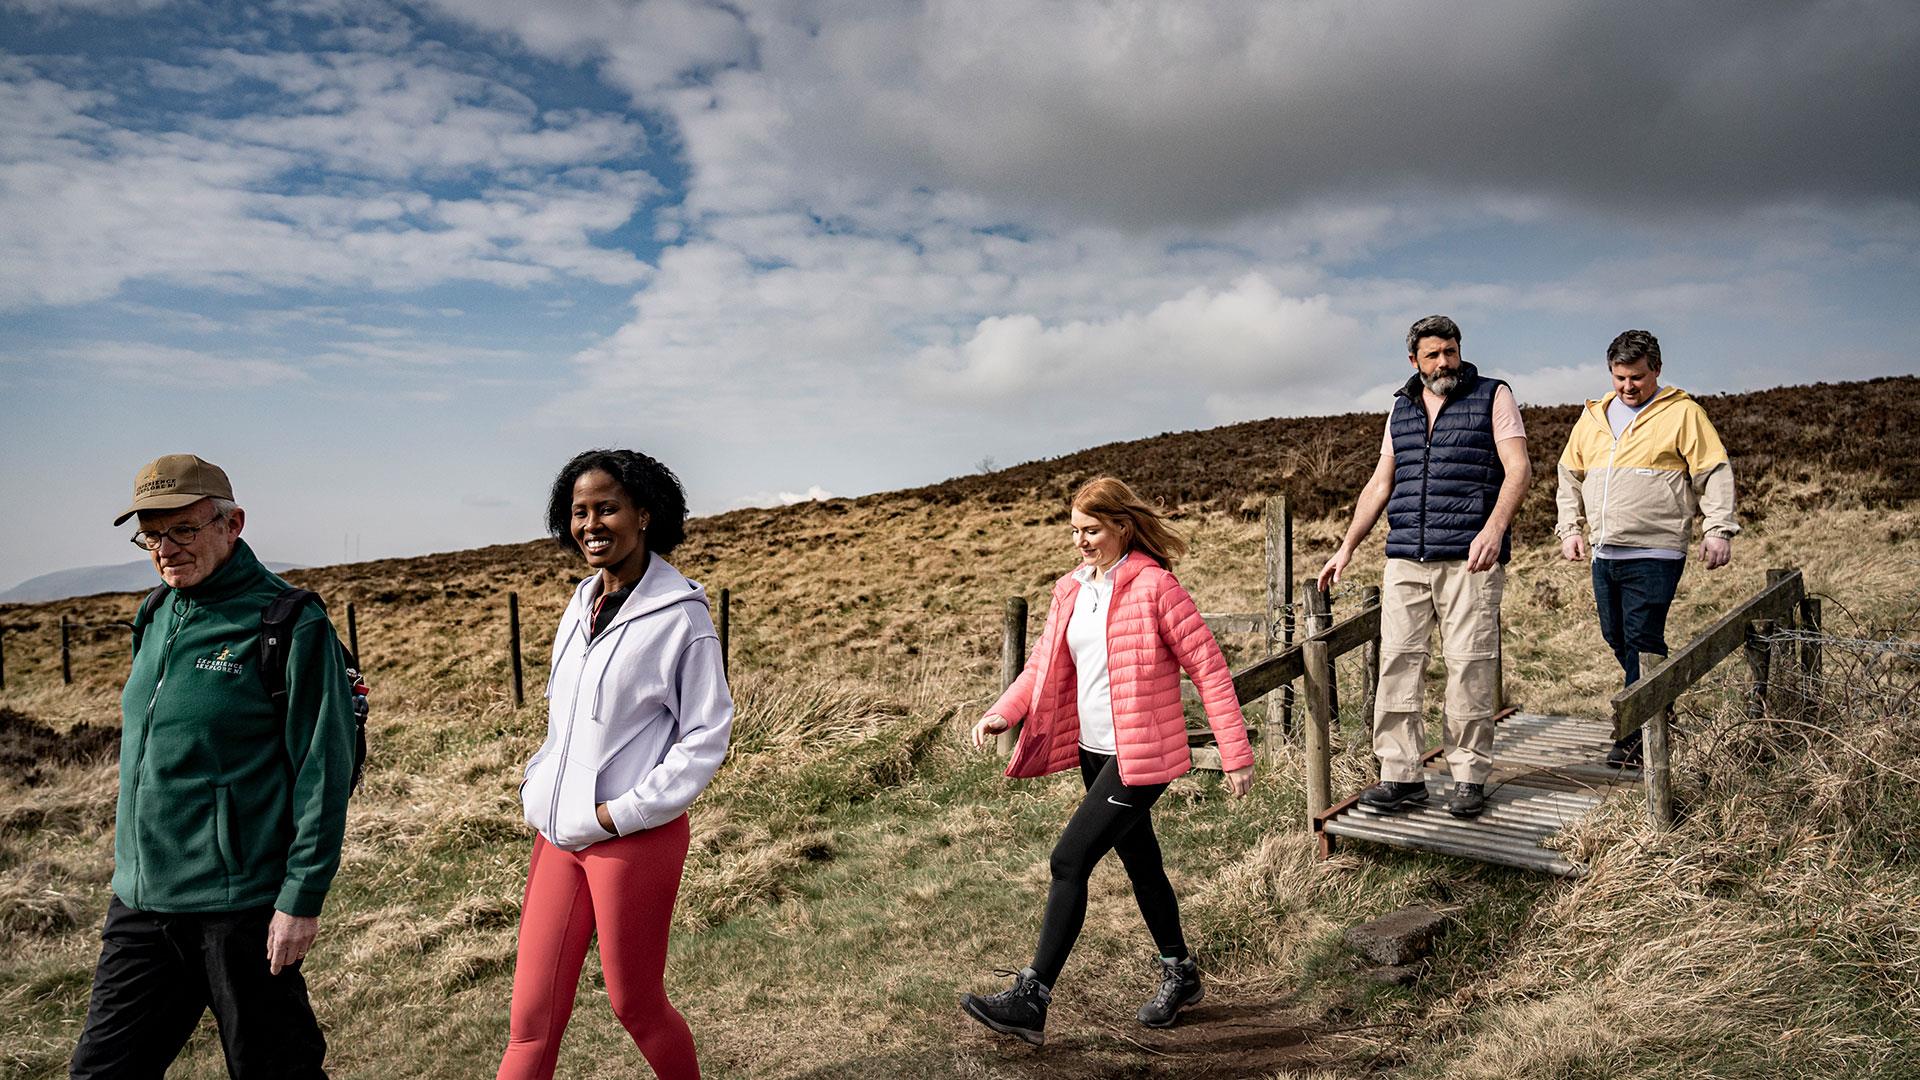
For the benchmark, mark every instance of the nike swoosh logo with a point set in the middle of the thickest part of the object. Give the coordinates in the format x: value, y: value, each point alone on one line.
x: 1117, y: 802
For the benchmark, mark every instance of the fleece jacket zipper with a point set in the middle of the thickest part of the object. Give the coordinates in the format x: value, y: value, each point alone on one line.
x: 182, y: 611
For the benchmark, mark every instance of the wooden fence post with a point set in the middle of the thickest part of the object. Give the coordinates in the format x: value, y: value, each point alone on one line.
x: 1013, y: 656
x: 1759, y: 649
x: 1320, y: 717
x: 1319, y: 619
x: 726, y: 628
x: 1655, y: 768
x: 513, y: 647
x: 353, y: 636
x: 1371, y: 655
x: 1278, y: 519
x: 3, y: 658
x: 66, y: 654
x: 1810, y: 674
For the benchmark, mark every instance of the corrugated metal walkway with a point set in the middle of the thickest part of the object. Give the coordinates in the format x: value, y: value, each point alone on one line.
x: 1548, y: 772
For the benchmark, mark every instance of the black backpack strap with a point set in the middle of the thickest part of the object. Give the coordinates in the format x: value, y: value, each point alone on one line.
x: 276, y: 641
x: 276, y: 645
x: 148, y: 605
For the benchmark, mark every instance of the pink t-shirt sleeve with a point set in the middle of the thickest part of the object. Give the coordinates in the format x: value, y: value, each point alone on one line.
x: 1506, y: 416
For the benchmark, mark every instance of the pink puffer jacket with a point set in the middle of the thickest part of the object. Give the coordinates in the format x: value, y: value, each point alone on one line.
x: 1153, y: 631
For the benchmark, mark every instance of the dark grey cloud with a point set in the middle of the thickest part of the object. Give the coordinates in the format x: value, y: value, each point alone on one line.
x: 1153, y: 113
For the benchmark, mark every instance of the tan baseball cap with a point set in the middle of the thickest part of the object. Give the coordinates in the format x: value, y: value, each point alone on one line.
x: 174, y: 481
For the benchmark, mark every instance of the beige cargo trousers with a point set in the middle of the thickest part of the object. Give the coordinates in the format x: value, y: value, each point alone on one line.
x: 1414, y: 597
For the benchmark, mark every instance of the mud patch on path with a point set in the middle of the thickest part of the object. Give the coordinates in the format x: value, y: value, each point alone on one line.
x: 1215, y: 1040
x: 29, y: 749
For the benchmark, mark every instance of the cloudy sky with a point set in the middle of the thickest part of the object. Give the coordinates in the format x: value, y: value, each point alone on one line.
x: 391, y: 264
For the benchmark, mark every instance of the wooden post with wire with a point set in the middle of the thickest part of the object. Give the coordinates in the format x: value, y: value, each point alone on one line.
x: 1013, y: 656
x: 66, y: 653
x: 513, y: 647
x: 1278, y: 520
x: 1317, y: 662
x: 725, y: 628
x: 1759, y: 649
x: 1655, y: 767
x: 1320, y: 618
x: 1810, y: 673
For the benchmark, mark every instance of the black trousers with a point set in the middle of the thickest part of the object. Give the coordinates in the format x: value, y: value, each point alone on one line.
x: 158, y: 972
x: 1112, y: 817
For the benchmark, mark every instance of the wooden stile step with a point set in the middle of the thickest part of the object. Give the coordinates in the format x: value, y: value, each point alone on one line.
x: 1548, y: 772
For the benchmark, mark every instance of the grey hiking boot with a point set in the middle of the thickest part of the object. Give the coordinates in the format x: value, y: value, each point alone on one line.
x: 1394, y: 794
x: 1019, y: 1010
x: 1179, y: 988
x: 1467, y: 800
x: 1625, y: 753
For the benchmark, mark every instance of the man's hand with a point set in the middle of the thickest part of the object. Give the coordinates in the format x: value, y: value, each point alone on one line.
x: 1330, y: 573
x: 1574, y: 548
x: 1716, y: 552
x: 1484, y: 552
x: 288, y: 939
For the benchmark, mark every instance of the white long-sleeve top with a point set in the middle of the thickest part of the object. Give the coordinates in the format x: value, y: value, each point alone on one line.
x: 1087, y: 642
x: 637, y: 718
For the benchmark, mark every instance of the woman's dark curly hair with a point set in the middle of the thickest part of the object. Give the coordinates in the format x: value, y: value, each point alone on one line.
x: 651, y: 485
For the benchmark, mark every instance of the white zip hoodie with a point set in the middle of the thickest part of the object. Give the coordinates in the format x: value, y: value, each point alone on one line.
x: 637, y: 719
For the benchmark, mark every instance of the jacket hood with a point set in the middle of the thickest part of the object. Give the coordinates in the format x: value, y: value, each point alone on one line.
x: 660, y: 587
x: 1667, y: 396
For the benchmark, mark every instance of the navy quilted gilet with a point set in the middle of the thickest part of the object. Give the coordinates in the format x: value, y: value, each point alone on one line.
x: 1444, y: 484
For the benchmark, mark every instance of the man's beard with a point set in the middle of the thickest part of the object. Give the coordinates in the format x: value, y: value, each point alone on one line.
x: 1441, y: 382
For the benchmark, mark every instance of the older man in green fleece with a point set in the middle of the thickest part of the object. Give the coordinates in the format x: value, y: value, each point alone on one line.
x: 233, y: 801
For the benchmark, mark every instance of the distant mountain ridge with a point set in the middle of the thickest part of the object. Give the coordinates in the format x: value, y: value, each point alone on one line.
x: 137, y: 576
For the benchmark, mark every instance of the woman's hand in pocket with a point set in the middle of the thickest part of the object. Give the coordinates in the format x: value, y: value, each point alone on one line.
x: 606, y: 819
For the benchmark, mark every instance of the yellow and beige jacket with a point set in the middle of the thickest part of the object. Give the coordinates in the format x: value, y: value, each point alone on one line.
x: 1643, y: 489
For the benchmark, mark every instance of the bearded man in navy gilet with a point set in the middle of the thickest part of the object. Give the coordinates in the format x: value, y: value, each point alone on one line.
x: 1452, y: 472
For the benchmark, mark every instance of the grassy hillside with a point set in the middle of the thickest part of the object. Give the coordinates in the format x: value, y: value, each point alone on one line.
x: 854, y: 867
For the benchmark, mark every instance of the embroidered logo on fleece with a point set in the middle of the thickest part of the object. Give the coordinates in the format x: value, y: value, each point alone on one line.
x: 220, y: 662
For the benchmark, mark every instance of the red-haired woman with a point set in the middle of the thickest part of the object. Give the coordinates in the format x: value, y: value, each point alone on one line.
x: 1102, y: 690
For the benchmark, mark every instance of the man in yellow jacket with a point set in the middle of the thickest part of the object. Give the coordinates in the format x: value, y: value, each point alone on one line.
x: 1639, y: 464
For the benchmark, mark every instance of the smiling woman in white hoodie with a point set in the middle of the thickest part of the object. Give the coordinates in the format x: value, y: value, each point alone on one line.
x: 638, y: 715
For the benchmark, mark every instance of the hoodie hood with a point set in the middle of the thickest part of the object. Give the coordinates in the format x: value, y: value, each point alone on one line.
x: 1667, y: 396
x: 660, y: 587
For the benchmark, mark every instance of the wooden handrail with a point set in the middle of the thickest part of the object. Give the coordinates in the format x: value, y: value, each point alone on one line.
x: 1263, y: 677
x: 1661, y: 687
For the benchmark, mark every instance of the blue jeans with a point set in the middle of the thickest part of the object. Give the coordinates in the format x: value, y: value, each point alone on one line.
x: 1633, y: 596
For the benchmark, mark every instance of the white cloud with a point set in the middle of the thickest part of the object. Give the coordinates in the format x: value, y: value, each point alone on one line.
x: 88, y: 204
x: 169, y: 367
x: 1247, y: 336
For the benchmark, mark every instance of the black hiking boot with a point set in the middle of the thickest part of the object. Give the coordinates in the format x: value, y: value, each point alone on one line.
x: 1179, y: 988
x: 1394, y: 794
x: 1019, y: 1010
x: 1626, y: 752
x: 1467, y: 801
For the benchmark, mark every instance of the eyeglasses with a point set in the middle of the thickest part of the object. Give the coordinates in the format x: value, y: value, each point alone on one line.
x: 181, y: 535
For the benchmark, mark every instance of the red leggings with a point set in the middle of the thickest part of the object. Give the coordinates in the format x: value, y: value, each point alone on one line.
x: 625, y: 887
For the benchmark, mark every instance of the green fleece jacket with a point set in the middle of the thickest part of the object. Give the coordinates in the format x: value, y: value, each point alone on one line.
x: 224, y: 805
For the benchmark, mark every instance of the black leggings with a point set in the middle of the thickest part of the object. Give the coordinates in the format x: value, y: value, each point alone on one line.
x: 1112, y: 817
